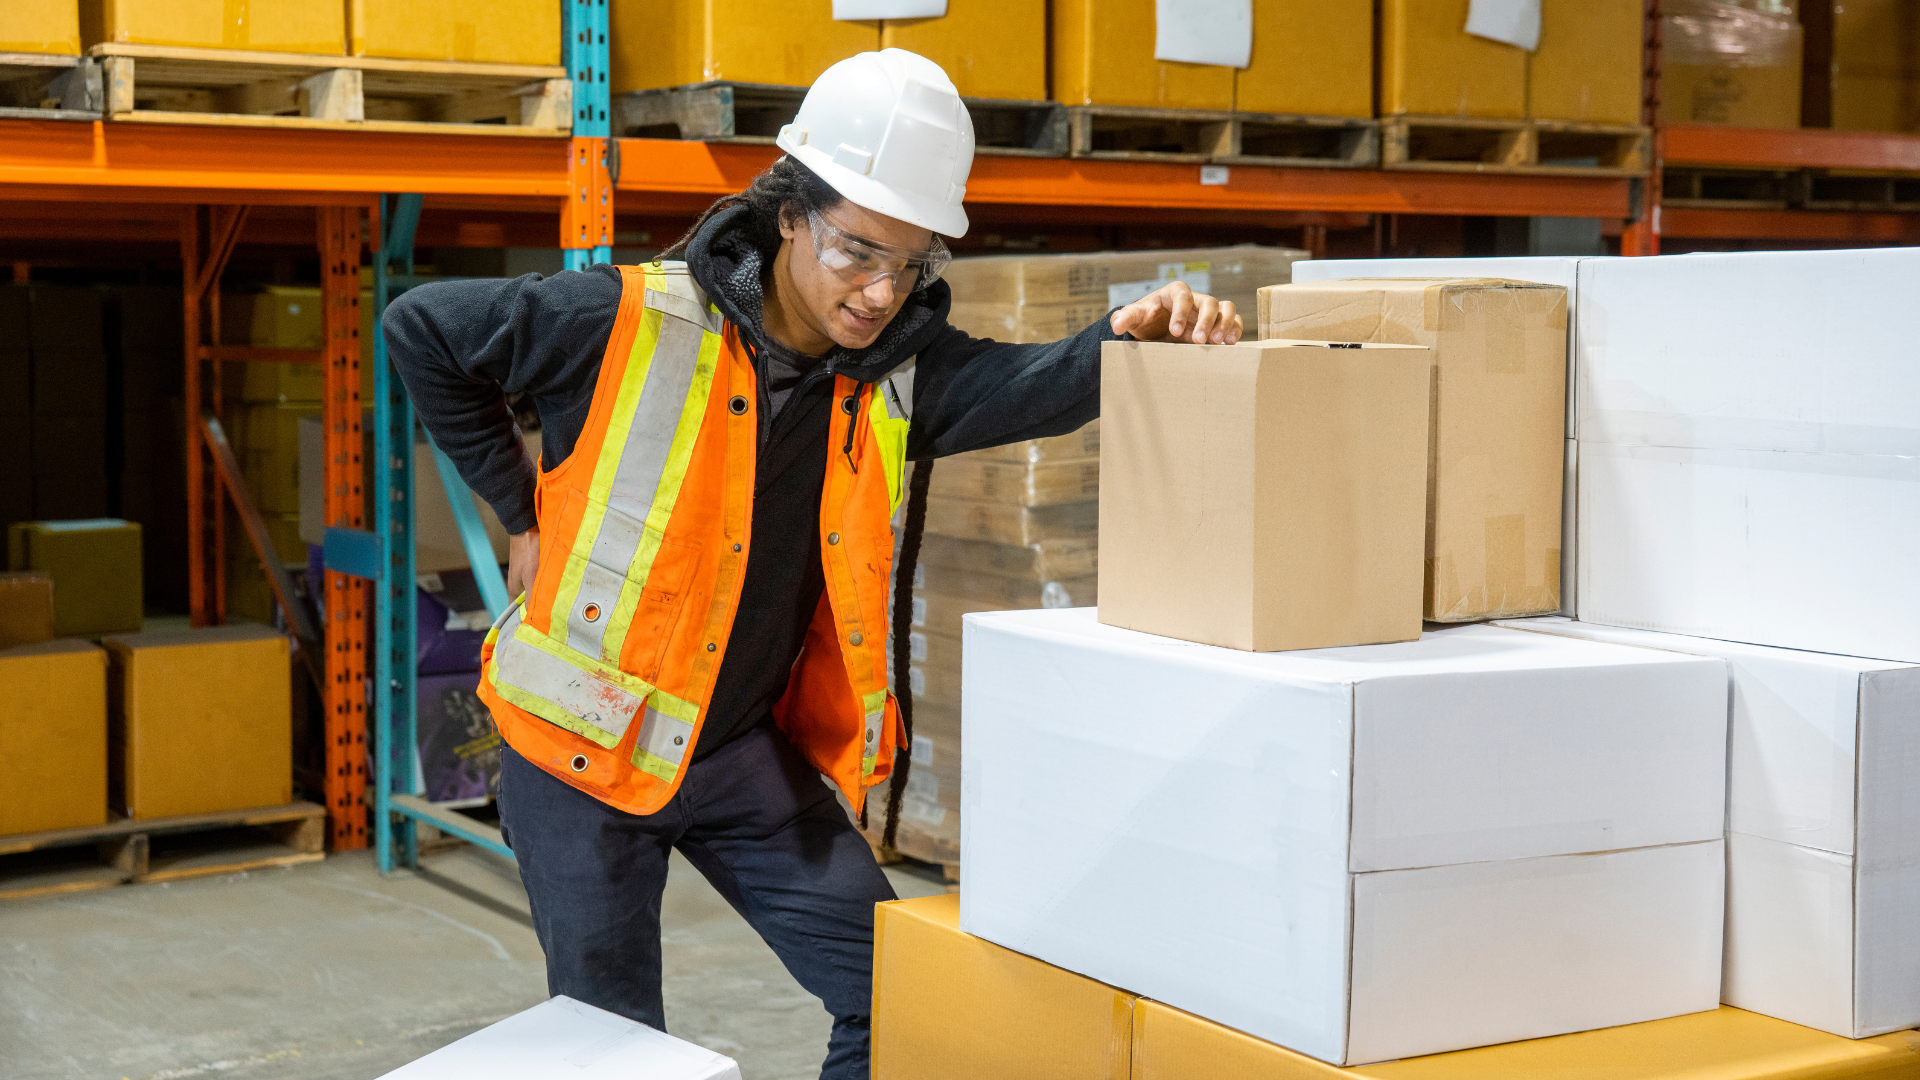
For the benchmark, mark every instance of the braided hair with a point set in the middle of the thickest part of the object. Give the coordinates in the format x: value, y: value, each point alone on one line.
x: 786, y: 192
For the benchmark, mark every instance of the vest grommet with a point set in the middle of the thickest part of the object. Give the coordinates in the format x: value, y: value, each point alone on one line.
x: 833, y: 538
x: 591, y: 613
x: 869, y: 736
x: 847, y: 405
x: 579, y: 763
x: 737, y: 405
x: 855, y: 639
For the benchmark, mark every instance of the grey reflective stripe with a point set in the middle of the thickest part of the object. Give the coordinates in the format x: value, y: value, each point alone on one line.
x: 665, y: 737
x: 642, y: 459
x: 588, y: 699
x: 690, y: 308
x: 897, y: 407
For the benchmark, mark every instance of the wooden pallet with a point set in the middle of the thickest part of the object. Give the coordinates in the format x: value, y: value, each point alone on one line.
x: 1726, y: 189
x: 1541, y: 147
x: 1137, y: 134
x: 37, y: 86
x: 160, y: 849
x: 1330, y: 141
x: 160, y: 84
x: 1862, y: 192
x: 755, y: 113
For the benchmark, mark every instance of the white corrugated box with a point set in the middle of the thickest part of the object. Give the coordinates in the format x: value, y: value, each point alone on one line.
x: 1823, y: 820
x: 1362, y: 853
x: 564, y: 1037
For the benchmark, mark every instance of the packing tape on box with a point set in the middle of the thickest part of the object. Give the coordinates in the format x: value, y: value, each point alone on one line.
x: 1120, y: 1049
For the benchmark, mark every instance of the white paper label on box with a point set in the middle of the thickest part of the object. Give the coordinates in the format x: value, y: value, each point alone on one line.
x: 922, y: 750
x: 1515, y: 22
x: 1199, y: 31
x: 857, y: 10
x: 1197, y: 275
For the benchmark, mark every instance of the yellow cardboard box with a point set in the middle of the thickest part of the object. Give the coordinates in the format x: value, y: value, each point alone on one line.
x: 680, y: 42
x: 1876, y: 65
x: 1312, y: 57
x: 296, y: 26
x: 53, y: 736
x: 1725, y: 64
x: 201, y: 720
x: 989, y: 48
x: 1103, y: 55
x: 95, y: 566
x: 1589, y: 64
x: 1431, y: 66
x: 947, y: 1004
x: 41, y: 26
x: 26, y: 608
x: 479, y: 31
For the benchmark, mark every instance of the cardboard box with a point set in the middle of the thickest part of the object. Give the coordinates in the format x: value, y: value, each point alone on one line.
x: 1589, y: 64
x: 681, y: 42
x: 42, y: 26
x: 1267, y: 495
x: 201, y: 720
x: 1083, y: 443
x: 1310, y: 57
x: 1824, y: 838
x: 1003, y: 591
x: 1749, y: 446
x: 1103, y: 55
x: 26, y: 608
x: 967, y: 477
x: 937, y: 613
x: 1876, y: 65
x: 53, y: 736
x: 1051, y: 560
x: 989, y: 48
x: 1431, y: 66
x: 486, y: 31
x: 1000, y: 523
x: 1722, y: 63
x: 561, y: 1036
x: 1498, y: 436
x: 295, y: 26
x: 1107, y: 280
x: 95, y: 566
x: 946, y: 1004
x: 929, y: 828
x: 1482, y: 836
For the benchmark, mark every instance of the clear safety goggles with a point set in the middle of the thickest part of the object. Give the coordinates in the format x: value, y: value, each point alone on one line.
x: 865, y: 263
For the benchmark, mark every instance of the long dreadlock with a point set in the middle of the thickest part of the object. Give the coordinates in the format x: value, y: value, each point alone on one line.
x: 915, y: 526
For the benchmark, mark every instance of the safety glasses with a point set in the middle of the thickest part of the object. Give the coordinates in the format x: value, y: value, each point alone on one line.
x: 863, y: 263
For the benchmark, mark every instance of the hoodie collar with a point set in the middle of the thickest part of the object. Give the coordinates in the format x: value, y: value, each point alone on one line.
x: 723, y: 260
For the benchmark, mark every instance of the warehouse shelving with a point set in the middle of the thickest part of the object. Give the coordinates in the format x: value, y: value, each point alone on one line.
x: 89, y: 183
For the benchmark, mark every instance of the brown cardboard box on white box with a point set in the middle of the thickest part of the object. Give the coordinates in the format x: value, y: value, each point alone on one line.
x: 1498, y: 435
x: 1267, y: 495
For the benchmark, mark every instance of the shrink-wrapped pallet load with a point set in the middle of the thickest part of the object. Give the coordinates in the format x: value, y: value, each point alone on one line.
x: 1730, y: 63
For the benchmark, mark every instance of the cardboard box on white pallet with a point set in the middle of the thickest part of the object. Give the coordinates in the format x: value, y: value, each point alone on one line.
x: 1823, y: 820
x: 1750, y: 448
x: 1359, y: 853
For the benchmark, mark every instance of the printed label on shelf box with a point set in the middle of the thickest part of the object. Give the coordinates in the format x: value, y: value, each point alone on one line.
x: 1203, y: 31
x: 1197, y: 275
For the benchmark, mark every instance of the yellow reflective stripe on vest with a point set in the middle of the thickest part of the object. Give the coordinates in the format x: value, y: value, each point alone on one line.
x: 888, y: 415
x: 636, y: 480
x: 876, y: 709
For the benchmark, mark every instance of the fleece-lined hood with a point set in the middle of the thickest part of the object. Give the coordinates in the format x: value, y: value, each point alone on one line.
x: 725, y: 263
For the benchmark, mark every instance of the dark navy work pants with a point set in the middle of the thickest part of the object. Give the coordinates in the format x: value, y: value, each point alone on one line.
x: 753, y: 817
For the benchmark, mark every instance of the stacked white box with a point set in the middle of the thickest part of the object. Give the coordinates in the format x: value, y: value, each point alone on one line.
x: 1823, y: 831
x: 564, y: 1037
x: 1362, y: 853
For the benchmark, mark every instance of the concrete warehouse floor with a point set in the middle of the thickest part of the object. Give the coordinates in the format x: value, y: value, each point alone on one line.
x: 329, y: 971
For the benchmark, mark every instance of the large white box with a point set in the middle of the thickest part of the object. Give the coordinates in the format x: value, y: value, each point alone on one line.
x: 1360, y: 853
x: 1749, y: 460
x: 1823, y: 818
x: 564, y: 1037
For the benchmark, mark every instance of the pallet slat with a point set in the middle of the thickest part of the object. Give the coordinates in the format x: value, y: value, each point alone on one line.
x: 162, y: 849
x: 1539, y: 147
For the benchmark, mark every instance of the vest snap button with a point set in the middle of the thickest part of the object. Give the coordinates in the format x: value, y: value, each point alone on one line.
x: 833, y: 538
x: 737, y: 405
x: 736, y: 547
x: 710, y: 646
x: 856, y: 638
x: 679, y: 739
x: 579, y: 763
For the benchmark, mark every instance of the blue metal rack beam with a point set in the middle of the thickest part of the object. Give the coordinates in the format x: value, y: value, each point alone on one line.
x: 588, y: 61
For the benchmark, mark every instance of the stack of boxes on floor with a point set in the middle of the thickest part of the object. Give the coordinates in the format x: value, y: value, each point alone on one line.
x: 1016, y: 526
x: 1398, y: 842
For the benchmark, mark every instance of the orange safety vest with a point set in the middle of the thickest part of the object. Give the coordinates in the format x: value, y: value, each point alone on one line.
x: 602, y: 673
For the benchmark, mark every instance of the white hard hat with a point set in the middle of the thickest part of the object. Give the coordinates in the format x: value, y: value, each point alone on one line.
x: 888, y: 131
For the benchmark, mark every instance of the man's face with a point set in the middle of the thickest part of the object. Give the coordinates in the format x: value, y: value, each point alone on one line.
x: 848, y: 313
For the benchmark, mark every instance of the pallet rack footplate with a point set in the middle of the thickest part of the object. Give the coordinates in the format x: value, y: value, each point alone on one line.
x: 755, y: 113
x: 160, y: 849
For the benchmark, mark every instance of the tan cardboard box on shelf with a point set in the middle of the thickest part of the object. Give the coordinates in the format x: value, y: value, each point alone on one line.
x: 1876, y: 65
x: 1722, y: 63
x: 1264, y: 496
x: 681, y: 42
x: 1431, y: 66
x: 295, y: 26
x: 1008, y: 591
x: 1083, y: 443
x: 989, y: 48
x: 95, y: 566
x: 41, y: 26
x: 1114, y: 278
x: 964, y: 476
x: 1103, y: 55
x: 53, y: 736
x: 26, y: 608
x: 1049, y: 560
x: 1589, y: 65
x: 1498, y: 440
x: 477, y: 31
x: 200, y: 720
x: 977, y: 519
x: 1312, y: 57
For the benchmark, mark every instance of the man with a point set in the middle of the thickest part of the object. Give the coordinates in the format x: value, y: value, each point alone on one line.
x: 703, y: 556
